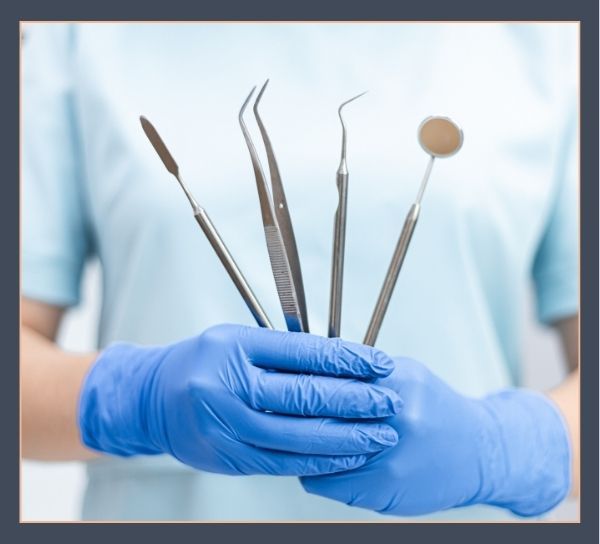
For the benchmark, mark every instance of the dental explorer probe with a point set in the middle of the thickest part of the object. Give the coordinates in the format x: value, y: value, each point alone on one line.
x: 439, y: 137
x: 208, y: 228
x: 339, y: 236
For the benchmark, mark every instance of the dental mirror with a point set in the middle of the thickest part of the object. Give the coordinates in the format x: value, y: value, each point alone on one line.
x: 440, y: 137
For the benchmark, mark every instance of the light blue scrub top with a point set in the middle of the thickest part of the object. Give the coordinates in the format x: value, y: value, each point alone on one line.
x: 501, y: 213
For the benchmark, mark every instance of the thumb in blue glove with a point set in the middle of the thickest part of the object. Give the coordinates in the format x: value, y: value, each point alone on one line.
x: 508, y: 449
x: 241, y: 400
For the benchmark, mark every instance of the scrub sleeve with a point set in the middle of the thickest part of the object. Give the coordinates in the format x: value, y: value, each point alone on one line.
x: 556, y: 262
x: 56, y: 236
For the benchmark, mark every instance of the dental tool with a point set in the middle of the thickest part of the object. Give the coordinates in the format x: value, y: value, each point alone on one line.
x: 339, y: 236
x: 439, y: 137
x: 208, y: 228
x: 281, y: 243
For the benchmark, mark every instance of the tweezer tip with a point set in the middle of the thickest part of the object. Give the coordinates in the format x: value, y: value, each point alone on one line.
x: 246, y: 103
x: 258, y: 98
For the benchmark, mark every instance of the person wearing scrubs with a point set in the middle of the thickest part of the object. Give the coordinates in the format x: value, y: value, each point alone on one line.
x: 187, y: 410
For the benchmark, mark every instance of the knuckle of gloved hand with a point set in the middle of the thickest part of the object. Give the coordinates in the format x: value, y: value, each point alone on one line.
x: 351, y: 359
x: 252, y: 390
x: 310, y: 401
x: 219, y: 334
x: 349, y: 462
x: 360, y: 438
x: 331, y: 361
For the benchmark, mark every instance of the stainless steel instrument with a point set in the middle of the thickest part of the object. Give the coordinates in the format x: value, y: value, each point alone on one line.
x: 208, y: 228
x: 439, y: 137
x: 339, y: 236
x: 281, y: 242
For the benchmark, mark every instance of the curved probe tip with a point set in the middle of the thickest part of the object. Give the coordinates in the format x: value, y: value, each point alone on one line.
x: 343, y: 125
x: 351, y: 100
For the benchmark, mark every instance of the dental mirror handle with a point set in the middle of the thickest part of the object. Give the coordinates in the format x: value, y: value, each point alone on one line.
x: 392, y: 275
x: 231, y: 267
x: 337, y: 266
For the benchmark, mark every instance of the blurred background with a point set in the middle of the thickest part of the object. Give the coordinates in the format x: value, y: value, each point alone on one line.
x: 52, y: 491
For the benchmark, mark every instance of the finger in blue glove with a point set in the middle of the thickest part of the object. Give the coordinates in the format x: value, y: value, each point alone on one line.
x: 242, y: 400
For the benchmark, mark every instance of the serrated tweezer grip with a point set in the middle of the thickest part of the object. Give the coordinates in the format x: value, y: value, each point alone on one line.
x: 283, y: 279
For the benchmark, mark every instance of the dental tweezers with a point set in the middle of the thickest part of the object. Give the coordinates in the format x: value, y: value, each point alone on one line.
x: 277, y: 223
x: 208, y: 228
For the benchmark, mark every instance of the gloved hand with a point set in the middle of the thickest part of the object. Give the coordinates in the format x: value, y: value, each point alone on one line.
x: 234, y: 399
x: 508, y: 449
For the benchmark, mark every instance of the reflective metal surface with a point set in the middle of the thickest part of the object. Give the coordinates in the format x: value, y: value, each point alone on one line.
x: 208, y: 228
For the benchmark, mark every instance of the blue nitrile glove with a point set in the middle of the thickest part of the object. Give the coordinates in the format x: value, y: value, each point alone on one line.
x: 229, y: 401
x: 508, y: 449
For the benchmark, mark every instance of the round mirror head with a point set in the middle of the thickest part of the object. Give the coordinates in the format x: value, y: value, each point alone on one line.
x: 440, y: 136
